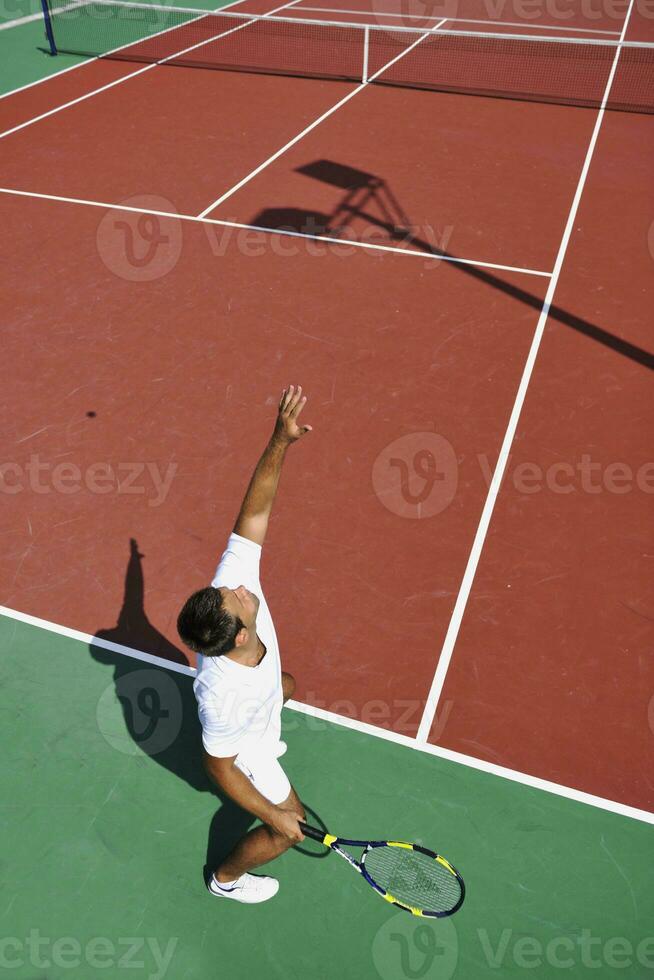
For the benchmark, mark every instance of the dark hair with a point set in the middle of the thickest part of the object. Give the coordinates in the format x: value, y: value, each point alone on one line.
x: 206, y: 626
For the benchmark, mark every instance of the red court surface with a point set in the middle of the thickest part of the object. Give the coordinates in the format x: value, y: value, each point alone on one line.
x: 452, y: 187
x: 406, y: 359
x: 444, y: 179
x: 162, y: 378
x: 563, y: 592
x: 226, y: 125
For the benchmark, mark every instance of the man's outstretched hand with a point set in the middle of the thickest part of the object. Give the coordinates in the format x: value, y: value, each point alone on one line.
x: 252, y: 520
x: 291, y: 404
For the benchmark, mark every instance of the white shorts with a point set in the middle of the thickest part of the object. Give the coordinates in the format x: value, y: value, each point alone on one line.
x: 267, y: 776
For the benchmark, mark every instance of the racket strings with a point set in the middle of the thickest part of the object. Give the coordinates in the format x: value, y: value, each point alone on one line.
x: 413, y: 878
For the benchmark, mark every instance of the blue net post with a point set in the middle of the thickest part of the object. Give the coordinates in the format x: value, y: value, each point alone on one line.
x: 48, y: 26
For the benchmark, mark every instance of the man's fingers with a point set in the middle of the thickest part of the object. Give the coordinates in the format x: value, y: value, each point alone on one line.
x: 290, y: 398
x: 291, y: 404
x: 287, y: 395
x: 298, y: 406
x: 295, y: 400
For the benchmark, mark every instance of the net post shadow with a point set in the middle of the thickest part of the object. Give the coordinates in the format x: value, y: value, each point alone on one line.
x: 362, y: 189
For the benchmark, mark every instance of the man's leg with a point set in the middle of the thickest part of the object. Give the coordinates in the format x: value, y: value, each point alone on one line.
x: 259, y: 846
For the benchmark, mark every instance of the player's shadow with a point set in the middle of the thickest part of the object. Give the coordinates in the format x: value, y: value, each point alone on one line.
x: 159, y: 711
x: 368, y: 198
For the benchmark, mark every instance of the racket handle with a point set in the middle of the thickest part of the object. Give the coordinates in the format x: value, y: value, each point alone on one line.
x: 312, y: 832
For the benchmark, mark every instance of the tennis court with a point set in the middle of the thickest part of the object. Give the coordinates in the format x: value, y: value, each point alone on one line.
x: 440, y: 220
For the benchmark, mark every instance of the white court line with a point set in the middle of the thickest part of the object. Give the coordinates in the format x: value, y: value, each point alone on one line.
x: 316, y: 122
x: 12, y: 191
x: 17, y: 21
x: 141, y: 71
x: 278, y: 153
x: 39, y: 16
x: 420, y: 743
x: 377, y: 14
x: 538, y: 27
x: 524, y: 779
x: 480, y: 537
x: 89, y: 61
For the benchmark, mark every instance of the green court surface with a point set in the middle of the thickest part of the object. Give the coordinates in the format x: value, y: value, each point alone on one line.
x: 24, y: 54
x: 17, y: 9
x: 108, y: 820
x: 24, y: 57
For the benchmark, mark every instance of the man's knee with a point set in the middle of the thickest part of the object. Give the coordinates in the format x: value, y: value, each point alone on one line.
x: 278, y: 842
x: 294, y: 804
x: 288, y: 685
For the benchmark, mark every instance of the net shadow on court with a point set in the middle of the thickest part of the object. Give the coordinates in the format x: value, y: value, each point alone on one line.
x: 396, y: 226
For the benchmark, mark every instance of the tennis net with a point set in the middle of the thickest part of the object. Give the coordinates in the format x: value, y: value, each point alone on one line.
x: 570, y: 71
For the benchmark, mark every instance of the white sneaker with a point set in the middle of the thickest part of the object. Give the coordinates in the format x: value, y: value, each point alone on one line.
x: 250, y: 889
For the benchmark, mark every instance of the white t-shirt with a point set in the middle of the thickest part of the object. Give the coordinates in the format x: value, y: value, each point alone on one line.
x: 239, y: 706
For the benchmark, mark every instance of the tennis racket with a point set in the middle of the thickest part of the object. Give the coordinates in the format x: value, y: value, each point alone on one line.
x: 407, y: 875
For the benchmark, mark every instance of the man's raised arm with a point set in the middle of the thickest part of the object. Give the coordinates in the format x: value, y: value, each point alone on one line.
x: 252, y: 521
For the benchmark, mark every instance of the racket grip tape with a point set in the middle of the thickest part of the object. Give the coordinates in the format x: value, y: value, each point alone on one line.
x: 314, y: 833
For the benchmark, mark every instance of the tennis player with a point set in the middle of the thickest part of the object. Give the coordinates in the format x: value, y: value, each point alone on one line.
x: 240, y: 686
